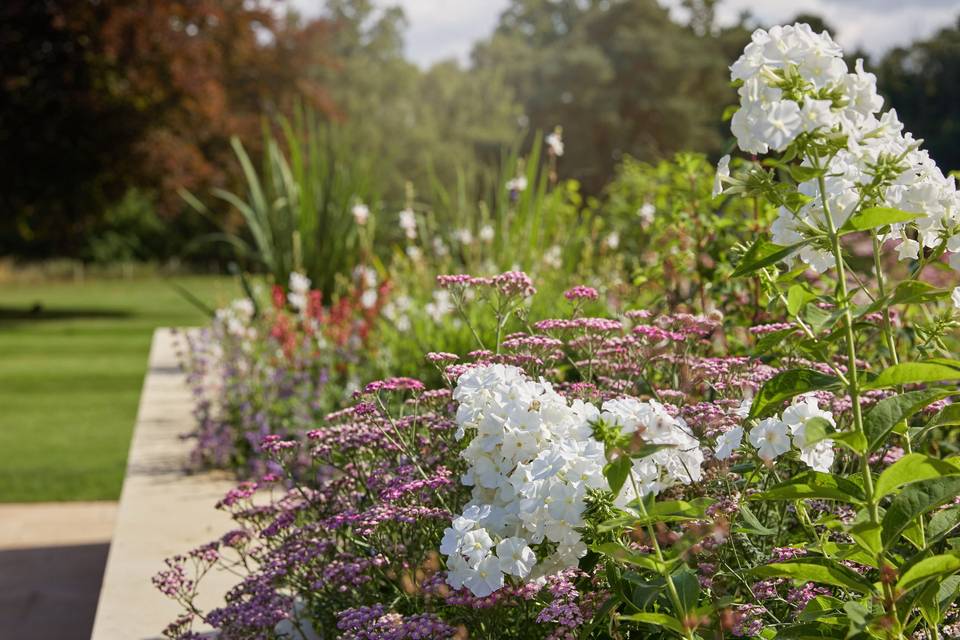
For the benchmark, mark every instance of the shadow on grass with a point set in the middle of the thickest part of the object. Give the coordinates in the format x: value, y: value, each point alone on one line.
x: 50, y: 592
x: 38, y: 313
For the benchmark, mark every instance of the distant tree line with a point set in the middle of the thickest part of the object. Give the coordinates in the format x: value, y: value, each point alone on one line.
x: 109, y: 108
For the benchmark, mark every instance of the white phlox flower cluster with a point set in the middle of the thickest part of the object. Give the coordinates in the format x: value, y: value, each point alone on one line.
x: 441, y: 305
x: 235, y: 319
x: 299, y: 292
x: 366, y: 278
x: 408, y: 222
x: 775, y: 436
x: 531, y: 460
x: 679, y: 462
x: 517, y: 185
x: 794, y: 82
x: 360, y: 213
x: 554, y: 142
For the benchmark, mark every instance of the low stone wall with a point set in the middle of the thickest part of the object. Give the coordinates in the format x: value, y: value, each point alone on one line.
x: 163, y: 511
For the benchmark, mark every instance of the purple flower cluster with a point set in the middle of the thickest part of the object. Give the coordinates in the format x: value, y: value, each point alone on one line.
x: 374, y: 623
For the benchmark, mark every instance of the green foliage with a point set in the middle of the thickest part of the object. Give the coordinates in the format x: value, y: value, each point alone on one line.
x: 819, y: 570
x: 786, y: 385
x: 814, y: 484
x: 297, y: 207
x: 128, y: 231
x: 680, y: 241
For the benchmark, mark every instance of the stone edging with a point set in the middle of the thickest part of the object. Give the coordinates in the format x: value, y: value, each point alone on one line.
x: 163, y: 511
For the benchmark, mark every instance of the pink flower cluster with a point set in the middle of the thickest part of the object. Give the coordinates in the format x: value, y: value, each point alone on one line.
x: 581, y: 292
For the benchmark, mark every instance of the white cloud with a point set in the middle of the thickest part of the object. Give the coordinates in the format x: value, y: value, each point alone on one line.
x: 873, y: 25
x: 443, y: 29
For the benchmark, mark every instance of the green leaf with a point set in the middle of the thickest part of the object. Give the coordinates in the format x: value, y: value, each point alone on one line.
x: 764, y: 253
x: 916, y: 292
x: 867, y: 536
x: 687, y: 584
x: 942, y: 523
x: 916, y: 499
x: 853, y: 440
x: 949, y: 416
x: 876, y: 217
x: 794, y: 200
x: 818, y: 319
x: 858, y: 615
x: 773, y: 342
x: 907, y: 292
x: 818, y: 606
x: 801, y: 173
x: 798, y: 296
x: 621, y: 553
x: 617, y: 473
x: 927, y: 569
x: 650, y: 449
x: 886, y: 414
x: 913, y: 467
x: 934, y: 370
x: 814, y: 484
x: 658, y: 619
x: 660, y: 511
x: 814, y: 569
x: 753, y: 524
x: 817, y: 429
x: 937, y: 598
x: 786, y: 385
x: 806, y: 631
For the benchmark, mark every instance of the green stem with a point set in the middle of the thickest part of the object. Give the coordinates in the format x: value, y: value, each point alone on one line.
x: 881, y: 287
x: 853, y: 382
x: 664, y: 573
x: 892, y: 348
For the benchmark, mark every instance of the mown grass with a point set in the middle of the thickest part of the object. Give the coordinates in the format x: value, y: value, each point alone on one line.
x: 72, y: 361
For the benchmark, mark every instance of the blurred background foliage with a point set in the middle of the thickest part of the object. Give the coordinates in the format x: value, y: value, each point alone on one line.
x: 113, y: 110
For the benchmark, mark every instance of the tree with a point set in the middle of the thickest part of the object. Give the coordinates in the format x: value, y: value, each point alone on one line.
x: 920, y: 82
x: 620, y: 76
x: 419, y: 126
x: 101, y: 97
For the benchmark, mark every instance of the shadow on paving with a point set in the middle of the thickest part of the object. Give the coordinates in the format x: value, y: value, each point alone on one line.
x: 50, y: 593
x: 37, y: 312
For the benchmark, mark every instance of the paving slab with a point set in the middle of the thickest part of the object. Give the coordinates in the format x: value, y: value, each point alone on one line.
x: 52, y: 556
x: 163, y: 510
x: 53, y: 524
x: 50, y: 593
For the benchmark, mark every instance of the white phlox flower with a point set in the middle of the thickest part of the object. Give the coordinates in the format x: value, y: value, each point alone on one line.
x: 554, y: 142
x: 361, y: 213
x: 408, y: 222
x: 795, y: 81
x: 530, y: 461
x: 299, y: 287
x: 723, y: 173
x: 770, y: 438
x: 728, y: 442
x: 820, y: 455
x: 679, y: 462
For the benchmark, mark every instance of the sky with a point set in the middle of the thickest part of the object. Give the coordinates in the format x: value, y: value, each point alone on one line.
x: 443, y: 29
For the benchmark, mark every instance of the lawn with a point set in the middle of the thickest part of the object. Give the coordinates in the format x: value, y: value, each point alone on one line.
x: 72, y: 361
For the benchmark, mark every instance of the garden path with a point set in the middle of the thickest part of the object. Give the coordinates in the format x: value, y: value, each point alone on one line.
x: 52, y: 557
x: 163, y: 511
